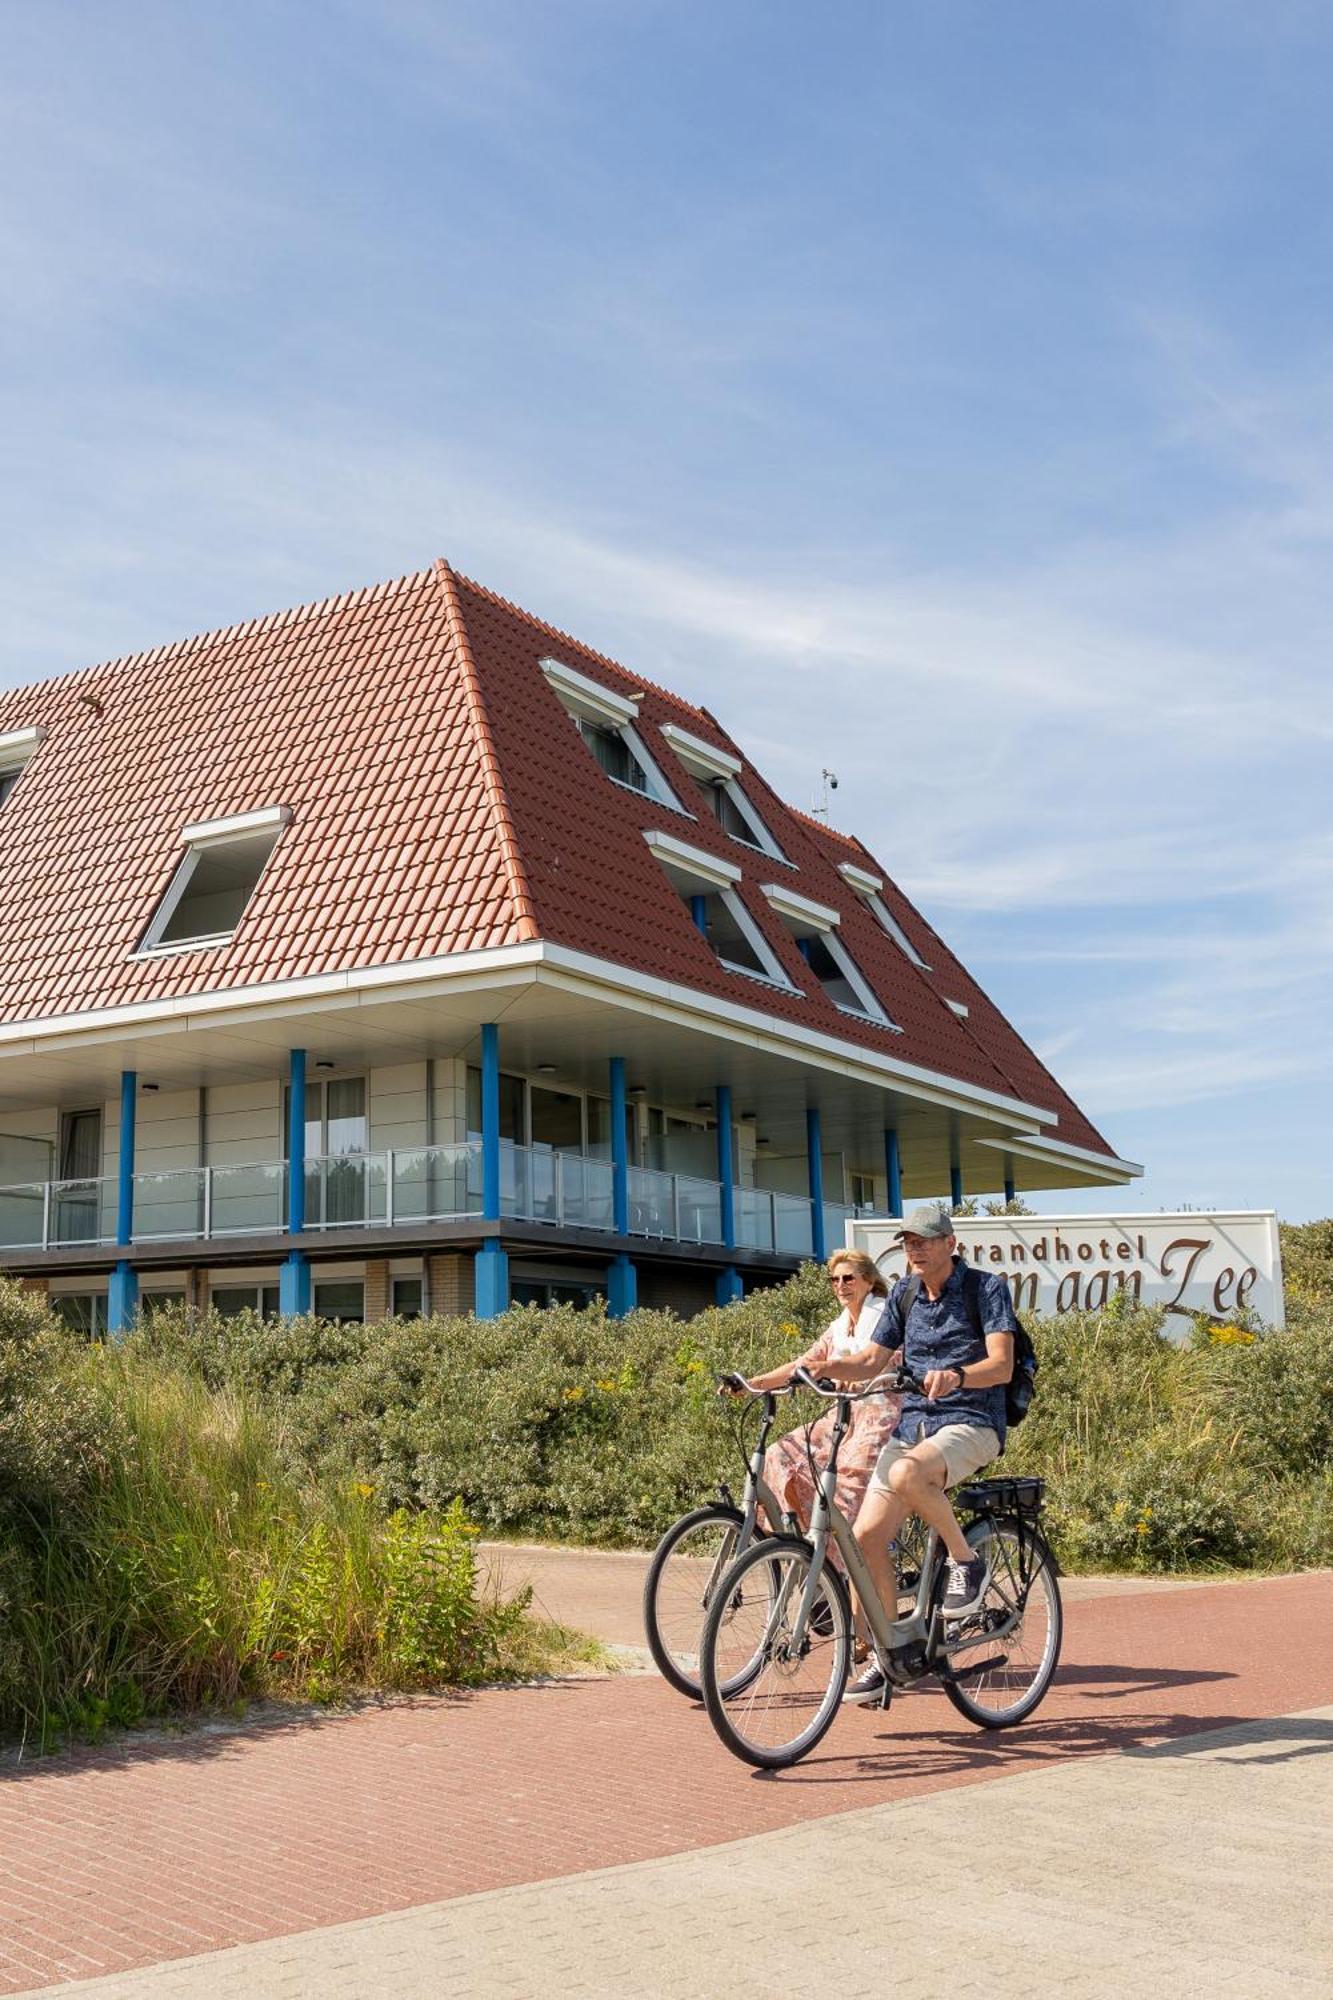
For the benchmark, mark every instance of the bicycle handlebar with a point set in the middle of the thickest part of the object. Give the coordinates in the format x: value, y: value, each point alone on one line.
x: 893, y: 1380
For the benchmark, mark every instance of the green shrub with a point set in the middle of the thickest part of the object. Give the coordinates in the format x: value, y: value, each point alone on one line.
x: 161, y: 1549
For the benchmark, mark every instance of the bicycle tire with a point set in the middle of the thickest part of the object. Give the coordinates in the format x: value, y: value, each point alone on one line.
x: 675, y: 1603
x: 1023, y: 1638
x: 770, y: 1710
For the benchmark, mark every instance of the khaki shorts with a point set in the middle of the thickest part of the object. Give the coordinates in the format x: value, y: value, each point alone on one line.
x: 965, y: 1448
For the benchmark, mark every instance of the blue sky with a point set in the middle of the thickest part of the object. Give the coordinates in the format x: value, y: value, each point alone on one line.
x: 939, y: 391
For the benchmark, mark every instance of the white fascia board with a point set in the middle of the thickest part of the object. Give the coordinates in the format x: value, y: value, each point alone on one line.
x: 803, y: 908
x: 692, y: 860
x: 516, y: 965
x: 699, y: 756
x: 685, y: 1005
x: 17, y: 745
x: 414, y: 979
x: 860, y: 879
x: 603, y: 704
x: 237, y: 826
x: 1039, y: 1146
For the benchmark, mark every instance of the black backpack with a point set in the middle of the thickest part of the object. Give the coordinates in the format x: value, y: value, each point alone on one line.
x: 1022, y: 1384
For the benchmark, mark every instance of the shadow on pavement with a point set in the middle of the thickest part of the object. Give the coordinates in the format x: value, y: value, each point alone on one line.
x: 1257, y: 1741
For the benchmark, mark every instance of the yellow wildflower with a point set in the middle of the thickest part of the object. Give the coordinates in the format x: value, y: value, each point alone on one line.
x: 608, y: 1387
x: 574, y: 1395
x: 362, y: 1490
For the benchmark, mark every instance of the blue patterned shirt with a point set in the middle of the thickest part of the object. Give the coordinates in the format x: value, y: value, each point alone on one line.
x: 939, y: 1334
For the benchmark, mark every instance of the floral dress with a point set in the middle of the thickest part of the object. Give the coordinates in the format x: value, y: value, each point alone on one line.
x: 786, y: 1464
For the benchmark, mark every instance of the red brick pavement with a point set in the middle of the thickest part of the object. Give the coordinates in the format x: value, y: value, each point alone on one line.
x: 160, y: 1849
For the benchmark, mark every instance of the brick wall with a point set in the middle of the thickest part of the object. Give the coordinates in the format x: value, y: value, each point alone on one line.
x: 451, y: 1289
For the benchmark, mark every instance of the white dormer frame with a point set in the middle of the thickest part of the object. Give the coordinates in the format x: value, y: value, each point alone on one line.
x: 695, y: 872
x: 198, y: 838
x: 709, y: 871
x: 868, y: 887
x: 587, y: 700
x: 802, y: 915
x: 719, y: 767
x: 16, y: 747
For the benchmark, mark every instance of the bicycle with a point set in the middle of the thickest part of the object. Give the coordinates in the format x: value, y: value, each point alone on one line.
x: 777, y: 1641
x: 696, y: 1551
x: 699, y: 1548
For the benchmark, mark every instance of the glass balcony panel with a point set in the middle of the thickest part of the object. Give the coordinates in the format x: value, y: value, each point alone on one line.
x: 249, y: 1200
x: 21, y: 1213
x: 344, y: 1190
x: 791, y: 1225
x: 835, y: 1226
x: 699, y: 1205
x: 754, y: 1218
x: 651, y: 1207
x: 434, y: 1183
x: 83, y: 1211
x: 588, y: 1192
x: 169, y: 1204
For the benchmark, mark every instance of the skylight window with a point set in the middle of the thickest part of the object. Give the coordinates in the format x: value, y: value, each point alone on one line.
x: 867, y: 887
x: 607, y: 723
x: 717, y: 774
x: 815, y: 929
x: 208, y: 894
x: 16, y: 746
x: 707, y: 886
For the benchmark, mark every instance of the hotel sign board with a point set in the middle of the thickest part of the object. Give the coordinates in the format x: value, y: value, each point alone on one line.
x: 1216, y: 1262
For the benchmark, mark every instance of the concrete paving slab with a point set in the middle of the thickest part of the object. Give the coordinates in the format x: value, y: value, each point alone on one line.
x: 1193, y: 1867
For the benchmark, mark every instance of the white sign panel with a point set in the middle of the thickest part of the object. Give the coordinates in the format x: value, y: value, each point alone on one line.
x: 1217, y: 1263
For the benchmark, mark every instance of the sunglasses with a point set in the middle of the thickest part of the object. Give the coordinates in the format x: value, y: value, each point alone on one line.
x: 844, y: 1278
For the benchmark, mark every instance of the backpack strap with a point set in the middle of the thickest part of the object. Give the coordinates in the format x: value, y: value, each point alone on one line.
x: 972, y: 1299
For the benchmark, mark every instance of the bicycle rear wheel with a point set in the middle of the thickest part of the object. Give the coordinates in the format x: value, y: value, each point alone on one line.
x: 689, y: 1561
x: 769, y: 1700
x: 1009, y: 1648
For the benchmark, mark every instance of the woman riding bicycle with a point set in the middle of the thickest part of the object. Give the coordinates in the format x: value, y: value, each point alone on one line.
x: 862, y: 1295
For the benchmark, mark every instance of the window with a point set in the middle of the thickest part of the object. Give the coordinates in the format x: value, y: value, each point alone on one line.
x: 867, y: 887
x: 16, y: 746
x: 607, y: 723
x: 406, y: 1298
x: 814, y: 927
x: 863, y: 1193
x: 207, y: 895
x: 512, y: 1124
x: 82, y: 1312
x: 231, y: 1300
x: 532, y: 1292
x: 716, y: 774
x: 707, y: 886
x: 343, y: 1299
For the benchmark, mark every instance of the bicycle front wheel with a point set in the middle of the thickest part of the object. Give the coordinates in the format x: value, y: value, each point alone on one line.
x: 1008, y: 1649
x: 688, y: 1563
x: 768, y: 1698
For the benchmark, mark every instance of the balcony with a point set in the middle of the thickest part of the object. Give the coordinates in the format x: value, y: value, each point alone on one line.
x: 399, y: 1190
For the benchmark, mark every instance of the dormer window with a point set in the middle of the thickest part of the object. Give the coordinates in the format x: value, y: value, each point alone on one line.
x: 607, y: 722
x: 815, y: 929
x: 707, y: 887
x: 208, y: 894
x: 716, y: 773
x: 16, y: 746
x: 867, y: 887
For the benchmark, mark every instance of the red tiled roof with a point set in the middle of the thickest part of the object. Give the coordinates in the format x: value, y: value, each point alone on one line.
x: 441, y: 801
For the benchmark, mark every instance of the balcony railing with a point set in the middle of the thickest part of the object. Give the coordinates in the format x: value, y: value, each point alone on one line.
x: 398, y: 1189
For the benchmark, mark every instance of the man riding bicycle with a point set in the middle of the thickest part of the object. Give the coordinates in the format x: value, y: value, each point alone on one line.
x: 946, y: 1434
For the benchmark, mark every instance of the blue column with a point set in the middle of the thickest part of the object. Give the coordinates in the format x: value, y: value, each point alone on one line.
x: 729, y: 1284
x: 492, y: 1261
x: 814, y: 1148
x: 622, y: 1284
x: 955, y: 1185
x: 294, y: 1272
x: 123, y: 1291
x: 894, y: 1168
x: 699, y: 911
x: 1010, y: 1192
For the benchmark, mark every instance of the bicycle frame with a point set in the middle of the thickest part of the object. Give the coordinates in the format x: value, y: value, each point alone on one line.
x: 758, y: 1493
x: 905, y: 1647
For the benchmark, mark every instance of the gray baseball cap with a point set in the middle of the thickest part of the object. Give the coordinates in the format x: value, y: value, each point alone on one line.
x: 932, y: 1218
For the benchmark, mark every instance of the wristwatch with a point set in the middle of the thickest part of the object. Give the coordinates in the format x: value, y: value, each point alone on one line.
x: 959, y: 1373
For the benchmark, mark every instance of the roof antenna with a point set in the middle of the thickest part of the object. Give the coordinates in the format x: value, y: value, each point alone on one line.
x: 828, y: 782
